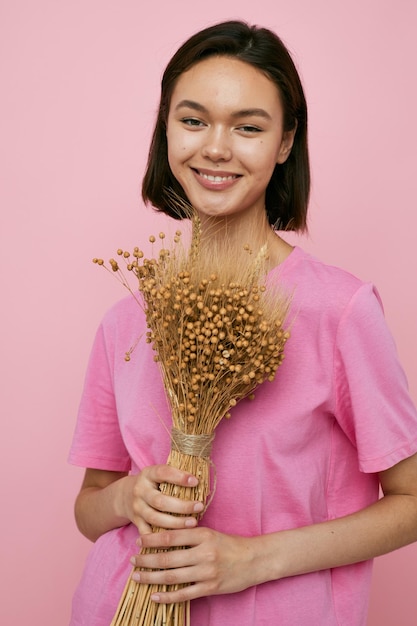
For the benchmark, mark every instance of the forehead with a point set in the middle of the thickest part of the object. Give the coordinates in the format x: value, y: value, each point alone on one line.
x: 225, y: 80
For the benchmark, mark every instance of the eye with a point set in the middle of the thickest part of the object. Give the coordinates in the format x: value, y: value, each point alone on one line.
x: 249, y: 129
x: 192, y: 121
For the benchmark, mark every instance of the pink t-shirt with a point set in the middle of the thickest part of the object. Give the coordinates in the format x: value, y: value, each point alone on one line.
x: 304, y: 451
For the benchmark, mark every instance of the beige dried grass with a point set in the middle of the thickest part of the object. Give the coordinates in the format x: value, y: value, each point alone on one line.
x: 217, y: 333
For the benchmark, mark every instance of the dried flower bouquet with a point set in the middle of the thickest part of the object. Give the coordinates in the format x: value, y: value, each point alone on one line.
x: 217, y: 333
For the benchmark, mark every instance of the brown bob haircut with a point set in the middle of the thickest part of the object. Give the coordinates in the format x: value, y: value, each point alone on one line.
x: 288, y: 190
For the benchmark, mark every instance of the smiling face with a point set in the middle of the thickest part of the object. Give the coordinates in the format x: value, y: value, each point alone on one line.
x: 225, y: 136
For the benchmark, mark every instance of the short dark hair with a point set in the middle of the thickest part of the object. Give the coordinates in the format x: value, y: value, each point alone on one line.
x: 288, y: 191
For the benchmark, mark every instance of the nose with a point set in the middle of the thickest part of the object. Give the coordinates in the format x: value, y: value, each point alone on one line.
x: 217, y: 145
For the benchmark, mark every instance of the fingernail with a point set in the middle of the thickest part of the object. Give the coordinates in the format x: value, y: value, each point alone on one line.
x: 190, y: 523
x: 192, y: 481
x: 198, y: 507
x: 155, y: 597
x: 133, y: 560
x: 136, y: 577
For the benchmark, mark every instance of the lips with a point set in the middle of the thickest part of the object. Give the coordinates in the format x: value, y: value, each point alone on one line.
x: 215, y: 179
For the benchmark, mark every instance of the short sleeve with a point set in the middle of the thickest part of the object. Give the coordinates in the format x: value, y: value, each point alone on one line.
x: 373, y: 404
x: 97, y: 441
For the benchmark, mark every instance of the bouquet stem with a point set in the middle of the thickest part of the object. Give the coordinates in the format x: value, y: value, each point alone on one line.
x: 191, y: 454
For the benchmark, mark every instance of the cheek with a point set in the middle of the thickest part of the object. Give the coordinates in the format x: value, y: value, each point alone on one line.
x: 177, y: 156
x: 258, y: 151
x: 262, y: 161
x: 179, y: 148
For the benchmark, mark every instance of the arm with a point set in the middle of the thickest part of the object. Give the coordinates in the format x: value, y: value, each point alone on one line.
x: 109, y: 500
x: 96, y: 510
x: 218, y: 563
x: 382, y: 527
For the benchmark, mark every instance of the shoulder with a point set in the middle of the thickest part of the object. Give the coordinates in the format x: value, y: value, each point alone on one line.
x: 324, y: 286
x: 124, y: 312
x: 306, y: 267
x: 324, y: 296
x: 122, y: 325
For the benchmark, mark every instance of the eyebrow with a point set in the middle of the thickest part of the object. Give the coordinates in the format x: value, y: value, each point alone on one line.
x: 251, y: 112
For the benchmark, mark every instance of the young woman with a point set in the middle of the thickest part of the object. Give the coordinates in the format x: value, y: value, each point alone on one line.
x: 295, y: 520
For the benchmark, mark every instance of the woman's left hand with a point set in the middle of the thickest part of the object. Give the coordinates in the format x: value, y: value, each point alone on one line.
x: 213, y: 563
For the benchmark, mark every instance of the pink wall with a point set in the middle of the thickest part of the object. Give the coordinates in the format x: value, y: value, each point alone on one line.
x: 79, y: 83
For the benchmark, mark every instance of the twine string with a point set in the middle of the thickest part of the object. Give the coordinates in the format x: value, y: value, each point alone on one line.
x: 193, y: 445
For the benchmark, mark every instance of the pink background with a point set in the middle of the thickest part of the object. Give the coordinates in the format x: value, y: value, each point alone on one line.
x: 79, y: 87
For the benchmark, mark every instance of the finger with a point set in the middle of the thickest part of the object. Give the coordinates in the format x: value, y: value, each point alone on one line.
x: 188, y: 592
x: 171, y: 578
x: 143, y: 527
x: 176, y: 538
x: 161, y: 566
x: 173, y: 475
x: 171, y: 504
x: 157, y: 519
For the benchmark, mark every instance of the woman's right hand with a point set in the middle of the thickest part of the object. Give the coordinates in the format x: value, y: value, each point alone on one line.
x: 109, y: 500
x: 146, y: 506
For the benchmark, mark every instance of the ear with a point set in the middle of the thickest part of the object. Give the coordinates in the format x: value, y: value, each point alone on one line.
x: 286, y: 145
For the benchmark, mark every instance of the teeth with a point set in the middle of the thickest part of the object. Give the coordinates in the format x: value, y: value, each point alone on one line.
x: 216, y: 179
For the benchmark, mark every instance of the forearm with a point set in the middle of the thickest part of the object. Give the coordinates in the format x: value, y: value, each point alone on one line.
x: 100, y: 509
x: 380, y: 528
